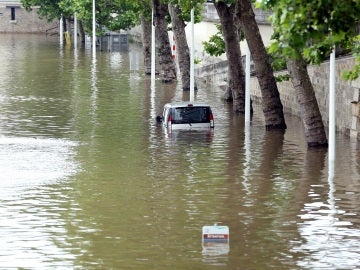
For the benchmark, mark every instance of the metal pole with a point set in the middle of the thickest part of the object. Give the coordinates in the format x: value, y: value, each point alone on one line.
x: 332, y: 109
x: 93, y: 30
x: 247, y: 86
x: 152, y: 51
x: 192, y: 83
x: 331, y: 153
x: 75, y: 30
x: 61, y: 30
x: 152, y: 87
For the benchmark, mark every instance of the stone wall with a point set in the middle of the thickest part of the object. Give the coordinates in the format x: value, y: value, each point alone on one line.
x: 209, y: 14
x: 347, y: 93
x: 15, y: 19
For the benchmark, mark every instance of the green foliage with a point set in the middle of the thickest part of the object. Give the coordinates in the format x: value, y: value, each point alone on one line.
x: 216, y: 44
x: 117, y: 15
x: 48, y: 8
x: 68, y: 7
x: 187, y: 5
x: 312, y: 28
x: 282, y: 78
x: 278, y: 63
x: 355, y: 72
x: 186, y: 14
x: 110, y: 14
x: 197, y: 61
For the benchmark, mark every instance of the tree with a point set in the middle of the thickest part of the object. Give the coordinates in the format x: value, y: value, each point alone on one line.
x: 271, y: 103
x: 306, y: 32
x: 110, y: 15
x: 236, y: 74
x: 309, y: 109
x: 178, y: 27
x: 51, y: 9
x: 180, y: 13
x: 146, y: 26
x: 168, y: 71
x: 314, y: 27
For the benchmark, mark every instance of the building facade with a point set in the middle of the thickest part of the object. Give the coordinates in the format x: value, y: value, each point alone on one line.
x: 15, y: 19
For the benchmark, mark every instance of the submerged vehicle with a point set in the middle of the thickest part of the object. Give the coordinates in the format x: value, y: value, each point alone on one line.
x: 188, y: 116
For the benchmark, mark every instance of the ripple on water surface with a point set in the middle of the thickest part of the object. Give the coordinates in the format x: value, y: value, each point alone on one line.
x: 28, y: 166
x: 30, y: 161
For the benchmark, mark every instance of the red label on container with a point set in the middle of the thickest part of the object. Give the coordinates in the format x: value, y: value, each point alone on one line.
x: 216, y: 236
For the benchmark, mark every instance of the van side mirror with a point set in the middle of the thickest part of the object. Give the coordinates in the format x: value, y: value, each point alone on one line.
x: 159, y: 119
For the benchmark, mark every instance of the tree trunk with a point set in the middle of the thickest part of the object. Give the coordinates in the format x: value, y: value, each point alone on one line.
x: 146, y: 42
x: 65, y: 21
x: 309, y: 109
x: 236, y: 75
x: 271, y: 103
x: 168, y: 71
x: 81, y: 32
x: 183, y: 54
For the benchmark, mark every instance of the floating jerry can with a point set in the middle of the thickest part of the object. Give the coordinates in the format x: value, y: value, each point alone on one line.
x: 215, y: 240
x: 216, y: 233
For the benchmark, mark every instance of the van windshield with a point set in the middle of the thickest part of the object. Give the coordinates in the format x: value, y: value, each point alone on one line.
x: 185, y: 115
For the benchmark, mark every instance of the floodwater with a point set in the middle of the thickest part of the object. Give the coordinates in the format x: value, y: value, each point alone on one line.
x: 90, y: 181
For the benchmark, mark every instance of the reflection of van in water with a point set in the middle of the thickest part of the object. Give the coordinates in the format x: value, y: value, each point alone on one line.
x: 184, y: 115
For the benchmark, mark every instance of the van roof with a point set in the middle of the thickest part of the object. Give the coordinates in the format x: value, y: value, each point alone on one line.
x: 186, y: 104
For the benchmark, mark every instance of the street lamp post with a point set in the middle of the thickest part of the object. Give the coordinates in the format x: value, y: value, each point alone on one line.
x: 93, y: 30
x: 192, y: 83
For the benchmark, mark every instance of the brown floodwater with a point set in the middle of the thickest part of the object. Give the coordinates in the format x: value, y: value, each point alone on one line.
x: 90, y: 181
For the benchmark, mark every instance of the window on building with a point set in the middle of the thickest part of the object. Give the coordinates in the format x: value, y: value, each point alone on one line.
x: 13, y: 14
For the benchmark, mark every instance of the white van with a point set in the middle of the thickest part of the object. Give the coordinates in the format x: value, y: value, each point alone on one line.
x: 184, y: 115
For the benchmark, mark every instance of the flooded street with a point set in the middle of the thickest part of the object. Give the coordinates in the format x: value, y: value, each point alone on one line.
x: 90, y: 181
